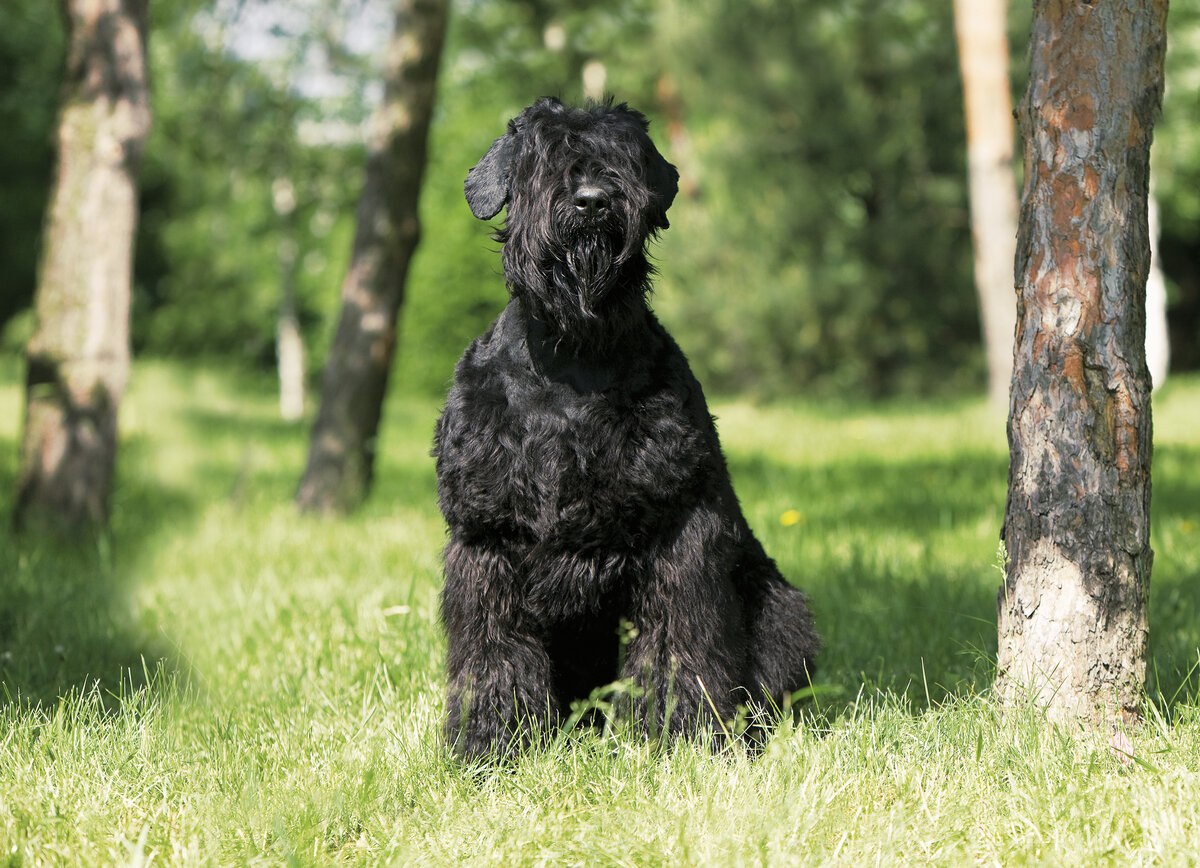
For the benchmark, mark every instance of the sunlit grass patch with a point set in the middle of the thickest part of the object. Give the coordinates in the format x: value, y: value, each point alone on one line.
x: 224, y: 681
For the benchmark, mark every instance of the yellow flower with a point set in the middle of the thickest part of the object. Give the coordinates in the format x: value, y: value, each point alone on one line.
x: 790, y: 517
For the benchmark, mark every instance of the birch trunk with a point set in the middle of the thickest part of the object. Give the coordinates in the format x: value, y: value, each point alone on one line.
x: 1158, y: 339
x: 78, y: 358
x: 289, y: 341
x: 981, y: 27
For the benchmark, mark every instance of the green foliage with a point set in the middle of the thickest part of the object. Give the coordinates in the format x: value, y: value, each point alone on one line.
x: 222, y: 681
x: 826, y: 247
x: 820, y: 244
x: 31, y: 47
x: 215, y: 247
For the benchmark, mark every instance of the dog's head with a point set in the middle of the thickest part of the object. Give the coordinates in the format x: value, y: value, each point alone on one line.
x: 585, y: 188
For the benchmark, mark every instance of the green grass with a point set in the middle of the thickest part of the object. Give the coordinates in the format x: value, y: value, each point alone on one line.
x: 223, y: 681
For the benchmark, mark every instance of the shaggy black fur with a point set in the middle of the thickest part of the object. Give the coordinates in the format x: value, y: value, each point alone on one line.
x: 580, y: 473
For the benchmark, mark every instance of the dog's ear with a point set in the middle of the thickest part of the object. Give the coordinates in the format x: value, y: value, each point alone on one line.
x: 487, y: 184
x: 663, y: 179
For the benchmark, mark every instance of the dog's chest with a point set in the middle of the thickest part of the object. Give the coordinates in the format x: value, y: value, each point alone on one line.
x: 585, y: 466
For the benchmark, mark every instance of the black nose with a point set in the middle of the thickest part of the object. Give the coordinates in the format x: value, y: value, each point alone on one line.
x: 590, y: 201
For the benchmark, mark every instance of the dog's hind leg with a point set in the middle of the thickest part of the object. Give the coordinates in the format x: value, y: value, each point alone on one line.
x: 781, y: 642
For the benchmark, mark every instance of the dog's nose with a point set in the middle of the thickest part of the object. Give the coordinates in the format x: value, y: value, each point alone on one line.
x: 591, y: 201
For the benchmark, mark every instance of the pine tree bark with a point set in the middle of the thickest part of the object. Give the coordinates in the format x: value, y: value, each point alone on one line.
x: 341, y: 455
x: 78, y: 358
x: 981, y: 27
x: 1072, y: 613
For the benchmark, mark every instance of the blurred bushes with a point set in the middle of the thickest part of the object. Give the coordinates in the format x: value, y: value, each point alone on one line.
x: 828, y: 245
x: 233, y: 202
x: 31, y: 56
x: 820, y: 242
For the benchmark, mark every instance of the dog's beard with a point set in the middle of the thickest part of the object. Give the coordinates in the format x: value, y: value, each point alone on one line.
x: 589, y: 291
x: 585, y: 279
x: 588, y: 270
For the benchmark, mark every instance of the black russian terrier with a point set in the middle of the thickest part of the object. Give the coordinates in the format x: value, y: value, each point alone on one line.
x: 594, y: 532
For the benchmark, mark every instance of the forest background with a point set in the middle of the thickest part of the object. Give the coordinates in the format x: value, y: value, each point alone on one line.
x: 821, y: 245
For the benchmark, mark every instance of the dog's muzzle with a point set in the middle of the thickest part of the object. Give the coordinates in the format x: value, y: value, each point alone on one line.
x: 591, y: 202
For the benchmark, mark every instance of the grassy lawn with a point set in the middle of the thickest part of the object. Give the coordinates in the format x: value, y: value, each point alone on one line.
x: 224, y: 681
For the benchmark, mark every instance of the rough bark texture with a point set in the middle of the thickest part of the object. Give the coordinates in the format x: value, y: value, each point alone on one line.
x: 983, y: 59
x: 78, y: 359
x: 1072, y: 617
x: 342, y: 451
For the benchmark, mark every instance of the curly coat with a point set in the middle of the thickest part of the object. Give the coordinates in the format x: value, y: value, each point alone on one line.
x: 580, y: 473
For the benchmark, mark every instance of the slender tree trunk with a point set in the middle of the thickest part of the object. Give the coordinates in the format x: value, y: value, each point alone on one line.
x: 289, y: 350
x: 78, y: 358
x: 983, y: 59
x: 289, y: 342
x: 670, y: 104
x: 342, y: 451
x: 1072, y: 613
x: 1158, y: 339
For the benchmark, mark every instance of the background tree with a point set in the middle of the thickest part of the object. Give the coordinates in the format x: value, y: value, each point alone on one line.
x: 289, y: 341
x: 78, y: 359
x: 342, y: 448
x: 983, y: 58
x: 1072, y: 616
x: 1158, y: 332
x: 1177, y: 184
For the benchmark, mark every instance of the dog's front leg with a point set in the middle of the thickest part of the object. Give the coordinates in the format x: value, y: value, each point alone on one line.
x: 500, y: 697
x: 687, y: 640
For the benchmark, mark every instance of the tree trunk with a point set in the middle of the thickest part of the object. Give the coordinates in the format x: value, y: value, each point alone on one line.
x: 1158, y: 339
x: 1072, y: 613
x: 289, y: 341
x: 342, y: 451
x: 289, y: 351
x: 78, y: 358
x: 983, y: 59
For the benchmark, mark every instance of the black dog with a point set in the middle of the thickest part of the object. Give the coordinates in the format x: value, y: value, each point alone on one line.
x: 580, y: 473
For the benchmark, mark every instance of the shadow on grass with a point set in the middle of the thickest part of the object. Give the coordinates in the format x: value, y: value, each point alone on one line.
x: 67, y: 624
x: 268, y: 430
x: 404, y: 471
x: 1174, y: 675
x: 899, y: 559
